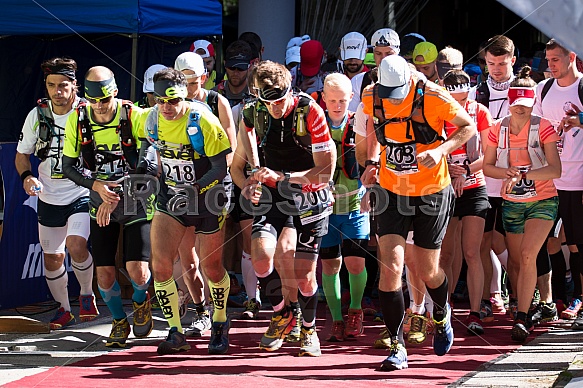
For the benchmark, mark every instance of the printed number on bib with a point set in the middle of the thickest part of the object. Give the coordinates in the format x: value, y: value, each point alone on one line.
x: 112, y: 168
x: 313, y: 206
x: 462, y: 159
x: 56, y: 168
x: 402, y: 159
x: 523, y: 189
x: 179, y: 171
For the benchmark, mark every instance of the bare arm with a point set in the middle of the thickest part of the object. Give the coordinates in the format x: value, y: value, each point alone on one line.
x: 226, y: 119
x: 22, y: 163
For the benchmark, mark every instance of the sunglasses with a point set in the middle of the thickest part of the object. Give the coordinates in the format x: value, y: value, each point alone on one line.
x: 237, y: 68
x: 103, y: 100
x: 171, y: 101
x: 277, y: 102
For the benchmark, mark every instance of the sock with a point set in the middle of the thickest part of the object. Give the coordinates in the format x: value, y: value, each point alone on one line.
x: 249, y: 277
x: 271, y: 285
x: 112, y: 298
x: 503, y: 257
x: 57, y: 282
x: 308, y: 304
x: 139, y: 295
x: 357, y: 285
x: 393, y: 309
x: 199, y: 307
x: 558, y: 276
x: 167, y: 295
x: 84, y: 273
x: 331, y: 285
x: 219, y: 293
x: 575, y: 264
x: 439, y: 296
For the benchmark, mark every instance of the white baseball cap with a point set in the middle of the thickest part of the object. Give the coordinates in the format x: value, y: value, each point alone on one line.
x: 394, y: 77
x: 190, y: 61
x: 387, y: 38
x: 292, y: 55
x: 148, y: 86
x: 353, y: 45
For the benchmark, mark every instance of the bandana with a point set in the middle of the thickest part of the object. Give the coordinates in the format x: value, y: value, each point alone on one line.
x: 499, y: 85
x: 59, y: 69
x: 98, y: 89
x: 166, y: 88
x: 444, y: 67
x: 272, y: 94
x: 461, y: 88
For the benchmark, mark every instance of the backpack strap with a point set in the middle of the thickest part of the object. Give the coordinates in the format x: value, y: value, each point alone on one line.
x: 547, y: 87
x: 212, y: 100
x: 350, y: 166
x: 126, y: 137
x: 483, y: 94
x: 366, y: 80
x: 194, y: 130
x: 300, y: 130
x: 46, y: 128
x: 86, y: 135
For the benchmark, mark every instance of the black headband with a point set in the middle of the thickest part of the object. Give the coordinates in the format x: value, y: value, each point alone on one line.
x: 172, y: 89
x: 65, y: 70
x: 98, y: 89
x: 272, y: 94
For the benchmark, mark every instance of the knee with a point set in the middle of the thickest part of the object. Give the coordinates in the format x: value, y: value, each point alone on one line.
x: 77, y: 247
x: 355, y: 265
x: 53, y: 261
x: 105, y: 277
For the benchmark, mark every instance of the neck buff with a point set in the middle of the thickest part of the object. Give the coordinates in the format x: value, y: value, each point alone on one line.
x: 499, y: 85
x: 98, y: 89
x: 65, y: 70
x: 170, y: 89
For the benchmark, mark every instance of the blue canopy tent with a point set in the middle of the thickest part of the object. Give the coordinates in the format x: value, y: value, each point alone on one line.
x: 125, y: 35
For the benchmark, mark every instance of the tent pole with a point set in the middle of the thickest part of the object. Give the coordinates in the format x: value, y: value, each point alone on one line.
x: 134, y: 67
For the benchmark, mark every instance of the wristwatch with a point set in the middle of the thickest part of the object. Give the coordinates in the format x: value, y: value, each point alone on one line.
x: 371, y: 163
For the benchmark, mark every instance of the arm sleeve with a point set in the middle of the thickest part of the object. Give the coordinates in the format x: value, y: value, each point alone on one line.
x: 147, y: 160
x: 71, y: 172
x: 217, y: 172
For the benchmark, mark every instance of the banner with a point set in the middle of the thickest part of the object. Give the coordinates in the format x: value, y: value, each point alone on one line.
x: 22, y: 280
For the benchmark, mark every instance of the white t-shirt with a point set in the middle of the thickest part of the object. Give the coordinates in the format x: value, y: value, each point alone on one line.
x: 356, y: 84
x: 360, y: 120
x: 498, y: 107
x: 57, y: 190
x: 571, y: 149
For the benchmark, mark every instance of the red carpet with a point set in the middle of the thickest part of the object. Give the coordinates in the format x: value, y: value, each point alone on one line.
x: 245, y: 365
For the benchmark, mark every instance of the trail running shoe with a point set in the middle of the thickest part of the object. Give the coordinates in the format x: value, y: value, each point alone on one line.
x: 281, y: 324
x: 573, y: 309
x: 397, y: 359
x: 521, y: 330
x: 174, y: 343
x: 578, y: 322
x: 407, y: 321
x: 486, y: 313
x: 251, y: 309
x: 295, y: 333
x: 354, y: 326
x: 120, y: 331
x: 61, y: 319
x: 384, y: 342
x: 544, y: 312
x: 337, y: 332
x: 87, y: 308
x: 309, y: 343
x: 143, y: 323
x: 474, y: 325
x: 418, y: 330
x: 219, y: 343
x: 443, y: 335
x: 201, y: 322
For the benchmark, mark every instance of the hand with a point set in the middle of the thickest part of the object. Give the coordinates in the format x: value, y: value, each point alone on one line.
x: 365, y: 205
x: 266, y: 175
x: 307, y: 83
x: 456, y: 170
x: 32, y: 186
x: 104, y: 191
x: 104, y: 211
x: 430, y: 158
x: 370, y: 175
x: 512, y: 172
x: 458, y: 185
x: 508, y: 185
x: 250, y: 191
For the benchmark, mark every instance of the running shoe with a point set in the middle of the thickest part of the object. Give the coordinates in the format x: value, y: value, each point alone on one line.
x: 497, y: 304
x: 309, y: 343
x: 521, y: 330
x: 87, y: 308
x: 368, y: 307
x: 384, y: 342
x: 443, y: 334
x: 474, y: 325
x: 407, y: 321
x: 252, y: 307
x: 281, y: 324
x: 61, y: 319
x: 397, y: 359
x: 201, y: 322
x: 174, y: 343
x: 418, y: 329
x: 543, y: 312
x: 295, y: 333
x: 486, y: 314
x: 573, y: 309
x: 354, y: 326
x: 337, y: 332
x: 143, y: 323
x: 219, y: 343
x: 120, y: 331
x: 578, y: 322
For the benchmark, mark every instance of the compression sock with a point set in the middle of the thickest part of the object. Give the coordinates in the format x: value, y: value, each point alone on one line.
x: 112, y: 298
x: 331, y: 285
x: 84, y: 273
x: 219, y: 293
x: 57, y: 282
x: 167, y: 294
x: 357, y: 285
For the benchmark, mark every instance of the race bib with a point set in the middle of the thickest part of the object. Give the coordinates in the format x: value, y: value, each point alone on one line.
x: 56, y: 168
x: 462, y: 159
x: 523, y: 189
x: 401, y: 159
x: 178, y: 171
x: 314, y: 205
x: 114, y: 168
